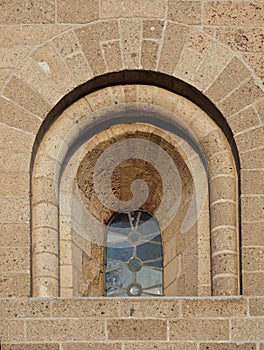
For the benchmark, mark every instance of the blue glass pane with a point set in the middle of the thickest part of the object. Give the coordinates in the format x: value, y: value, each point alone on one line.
x: 120, y: 278
x: 157, y: 263
x: 148, y: 277
x: 111, y: 238
x: 120, y: 224
x: 113, y: 264
x: 147, y: 224
x: 155, y: 291
x: 149, y: 251
x: 119, y: 254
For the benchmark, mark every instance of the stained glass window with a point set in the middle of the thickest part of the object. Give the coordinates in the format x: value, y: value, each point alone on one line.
x: 133, y: 256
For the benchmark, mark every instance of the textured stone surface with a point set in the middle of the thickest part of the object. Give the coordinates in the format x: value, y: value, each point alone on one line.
x: 81, y: 11
x: 123, y: 329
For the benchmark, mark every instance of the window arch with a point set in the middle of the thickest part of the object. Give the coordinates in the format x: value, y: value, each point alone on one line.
x: 217, y: 225
x: 133, y: 255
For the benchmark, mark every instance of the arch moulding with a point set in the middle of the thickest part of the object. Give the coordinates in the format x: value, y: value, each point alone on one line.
x: 89, y: 115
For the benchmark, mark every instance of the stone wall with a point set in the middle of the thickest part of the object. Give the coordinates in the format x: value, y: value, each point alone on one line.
x: 210, y: 52
x: 134, y: 324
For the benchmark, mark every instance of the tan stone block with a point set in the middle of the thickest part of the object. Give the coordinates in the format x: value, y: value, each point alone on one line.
x: 234, y: 13
x: 14, y: 235
x: 131, y: 31
x: 94, y: 346
x: 223, y: 213
x: 34, y: 12
x: 199, y: 329
x: 250, y: 139
x: 166, y: 99
x: 36, y: 74
x: 252, y: 208
x: 12, y: 56
x: 227, y: 346
x: 118, y: 8
x: 14, y: 209
x: 45, y: 215
x: 83, y: 308
x: 37, y: 33
x: 221, y: 87
x: 112, y: 55
x: 16, y: 161
x: 67, y: 277
x: 223, y: 187
x: 252, y: 182
x: 81, y: 11
x: 44, y: 189
x: 260, y: 109
x: 149, y: 54
x: 217, y: 57
x: 160, y: 346
x: 124, y: 329
x: 252, y: 159
x: 223, y: 238
x: 243, y: 120
x: 156, y: 308
x: 225, y: 285
x: 98, y: 100
x: 174, y: 39
x: 242, y: 39
x: 152, y: 29
x: 66, y: 43
x: 14, y: 285
x: 130, y: 93
x: 199, y: 41
x: 187, y: 12
x: 11, y: 330
x: 18, y: 91
x: 256, y: 307
x: 237, y: 70
x: 45, y: 286
x: 54, y: 66
x: 69, y: 329
x: 46, y: 264
x: 24, y: 308
x: 79, y: 68
x: 224, y: 263
x: 146, y: 93
x: 253, y: 233
x: 45, y: 240
x: 212, y: 140
x: 89, y: 38
x: 187, y: 65
x: 245, y: 95
x: 117, y: 93
x: 31, y: 346
x: 214, y: 307
x: 10, y: 36
x: 4, y: 75
x: 14, y: 259
x: 15, y: 140
x: 253, y: 283
x: 14, y: 184
x: 17, y: 117
x: 253, y: 259
x: 254, y: 59
x: 44, y: 168
x: 247, y: 329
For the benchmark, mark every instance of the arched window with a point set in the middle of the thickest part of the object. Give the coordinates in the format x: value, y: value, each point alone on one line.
x: 133, y: 255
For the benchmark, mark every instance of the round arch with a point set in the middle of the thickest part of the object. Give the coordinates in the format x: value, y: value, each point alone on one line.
x: 211, y: 139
